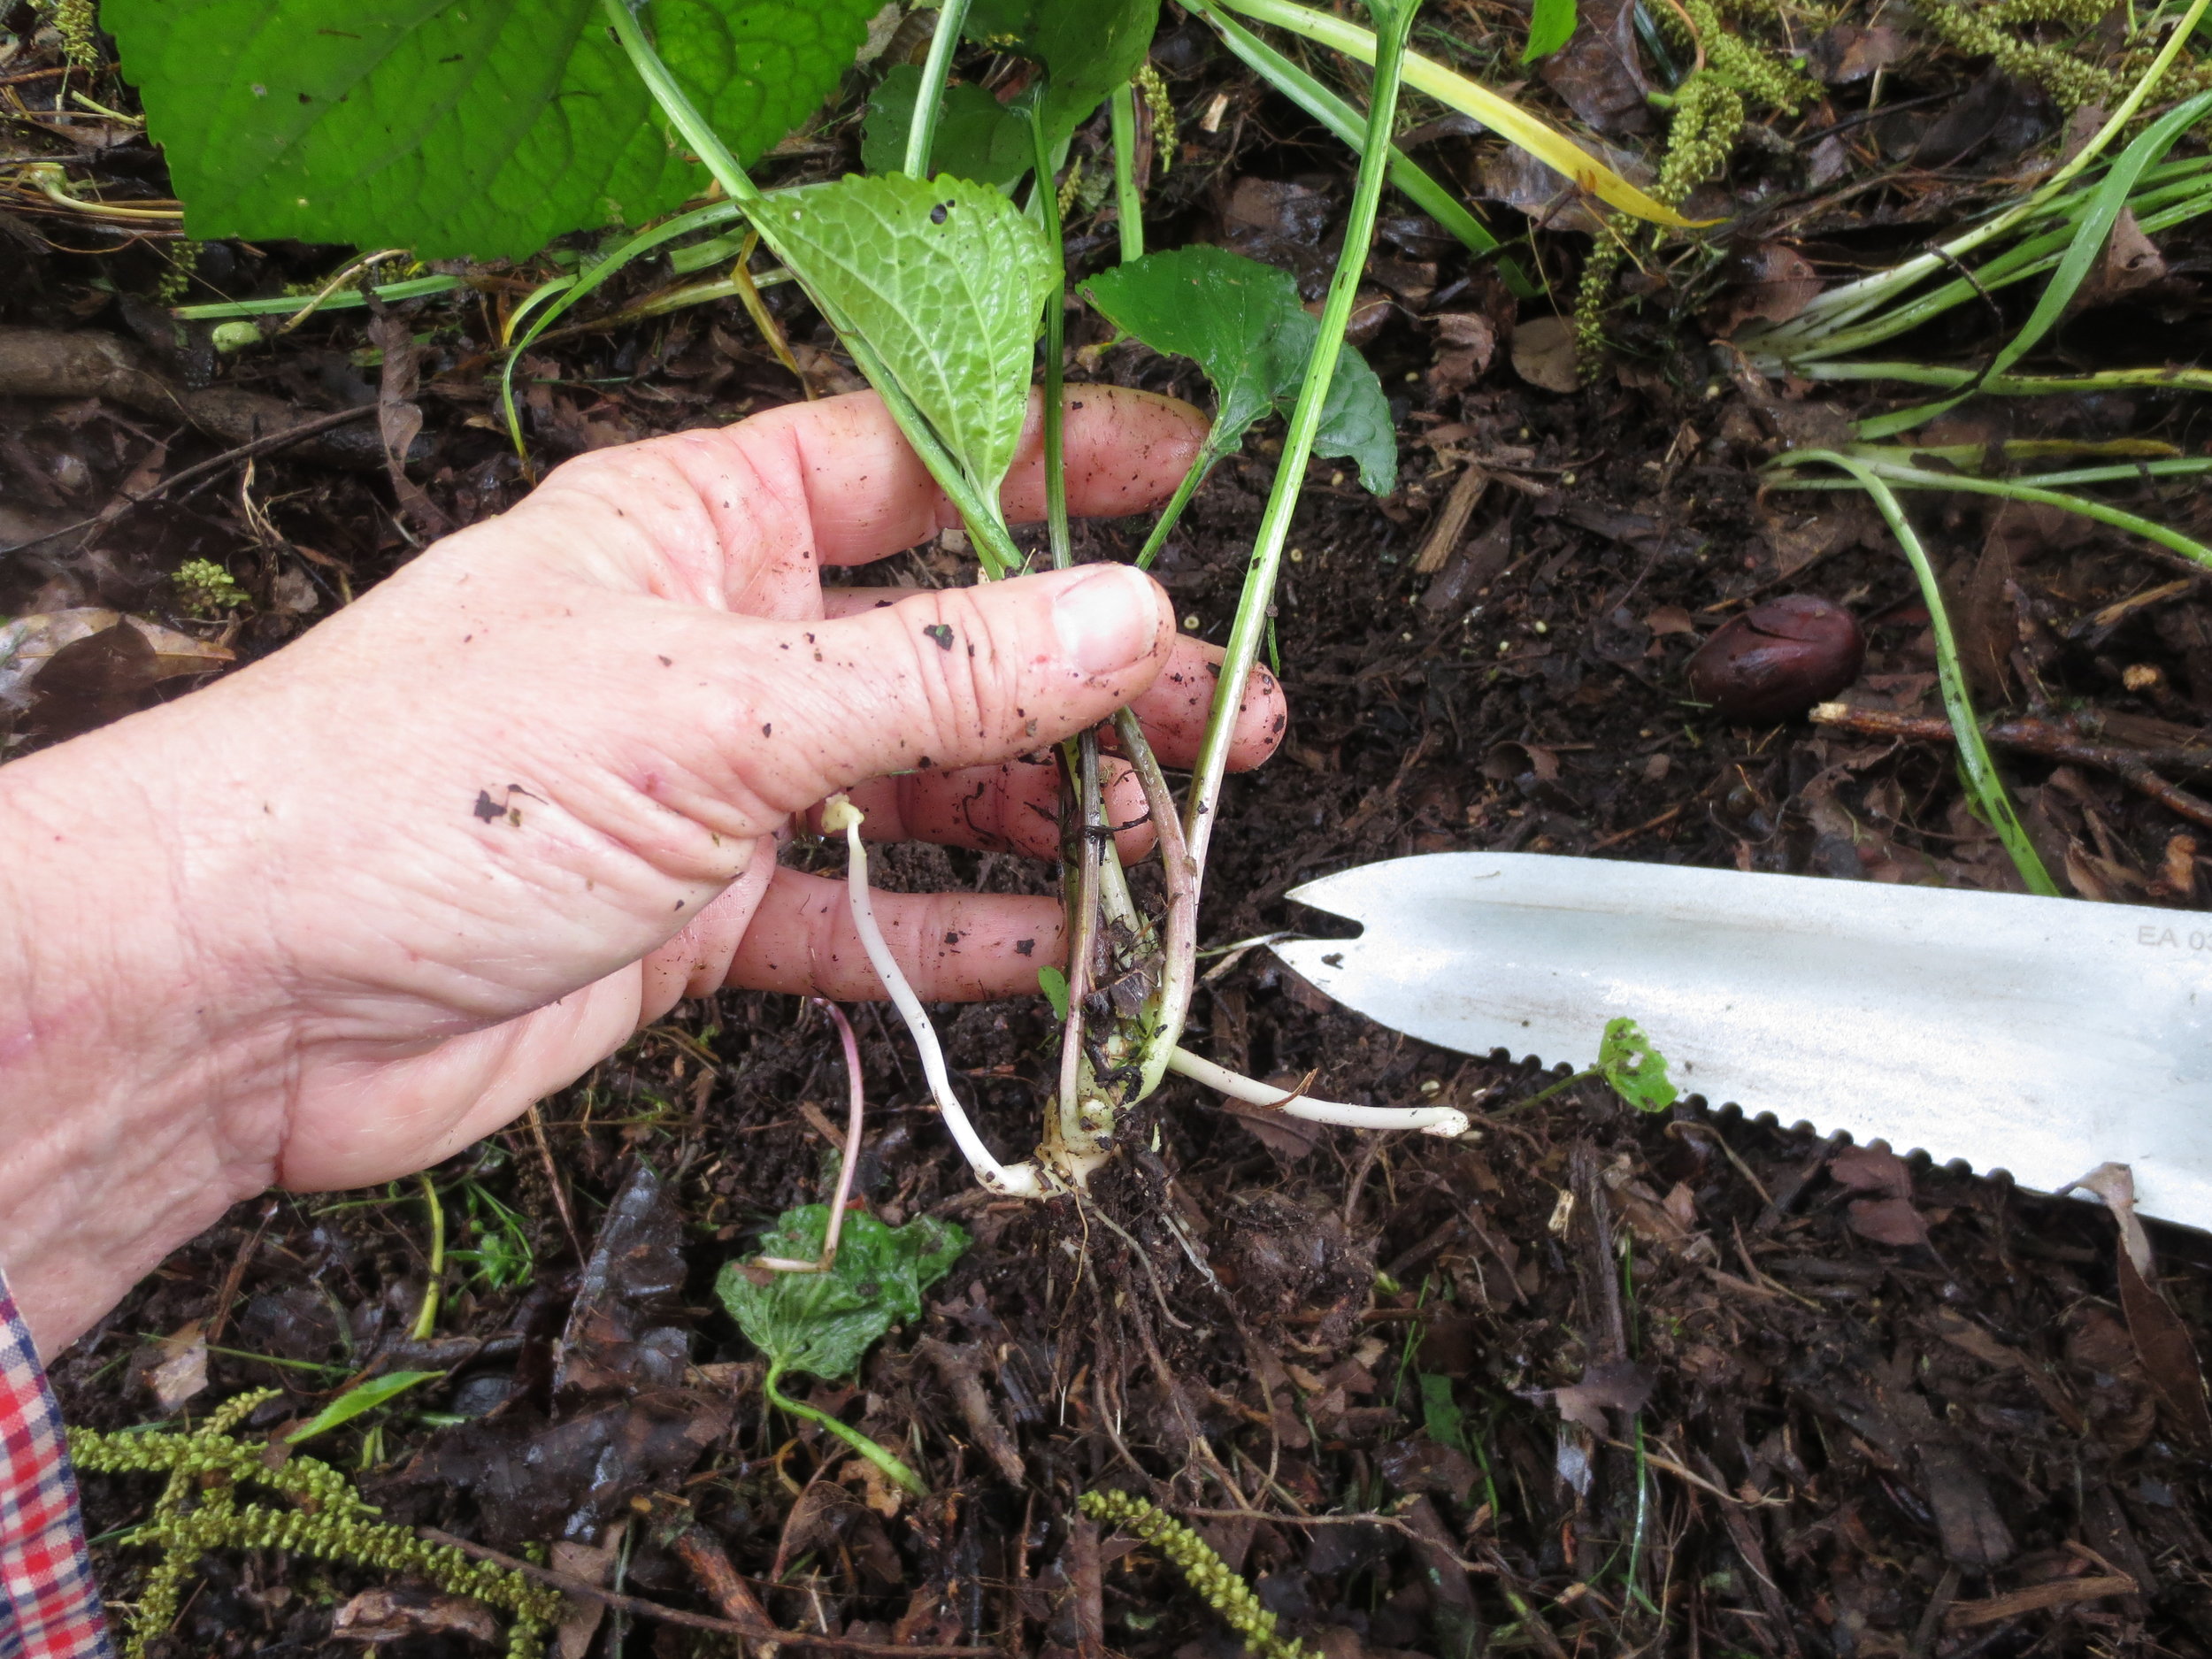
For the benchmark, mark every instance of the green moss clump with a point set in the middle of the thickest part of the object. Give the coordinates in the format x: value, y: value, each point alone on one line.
x: 204, y: 588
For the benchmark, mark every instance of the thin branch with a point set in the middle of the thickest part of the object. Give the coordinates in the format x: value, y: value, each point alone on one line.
x: 568, y: 1584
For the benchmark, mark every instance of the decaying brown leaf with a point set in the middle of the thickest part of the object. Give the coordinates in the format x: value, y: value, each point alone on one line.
x: 1616, y: 1386
x: 80, y: 668
x: 1544, y: 353
x: 404, y: 1612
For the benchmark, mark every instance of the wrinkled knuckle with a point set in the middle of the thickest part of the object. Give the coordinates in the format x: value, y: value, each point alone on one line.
x: 969, y: 667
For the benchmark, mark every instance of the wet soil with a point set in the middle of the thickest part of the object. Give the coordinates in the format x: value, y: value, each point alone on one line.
x: 1590, y: 1382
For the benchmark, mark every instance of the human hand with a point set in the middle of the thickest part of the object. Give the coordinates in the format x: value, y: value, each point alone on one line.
x: 347, y: 911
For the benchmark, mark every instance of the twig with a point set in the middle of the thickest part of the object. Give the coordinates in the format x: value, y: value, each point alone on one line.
x: 214, y: 464
x: 1644, y: 828
x: 536, y: 1120
x: 1394, y: 1523
x: 2032, y: 736
x: 1451, y: 524
x: 572, y: 1585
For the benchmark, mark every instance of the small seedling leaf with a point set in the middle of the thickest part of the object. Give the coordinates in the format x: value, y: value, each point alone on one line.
x: 823, y: 1323
x: 1054, y: 984
x: 1550, y: 26
x: 486, y: 129
x: 946, y: 280
x: 1242, y: 323
x: 1440, y: 1414
x: 1087, y: 49
x: 359, y: 1398
x: 1637, y: 1070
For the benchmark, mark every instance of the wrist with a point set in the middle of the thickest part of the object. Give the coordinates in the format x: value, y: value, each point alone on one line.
x: 120, y: 1056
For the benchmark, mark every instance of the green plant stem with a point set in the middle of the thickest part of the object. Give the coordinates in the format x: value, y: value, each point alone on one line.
x: 1208, y: 455
x: 1393, y: 25
x: 1839, y: 306
x: 1178, y: 971
x: 1508, y: 119
x: 985, y: 523
x: 1984, y: 785
x: 1084, y: 853
x: 1056, y: 348
x: 874, y: 1453
x: 1128, y: 205
x: 1541, y: 1095
x: 929, y: 98
x: 549, y: 303
x: 426, y: 1318
x: 1828, y: 336
x: 1343, y: 120
x: 2009, y: 385
x: 2030, y: 489
x: 285, y: 304
x: 2087, y: 245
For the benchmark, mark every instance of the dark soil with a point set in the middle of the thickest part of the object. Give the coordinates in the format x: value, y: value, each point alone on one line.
x: 1588, y: 1383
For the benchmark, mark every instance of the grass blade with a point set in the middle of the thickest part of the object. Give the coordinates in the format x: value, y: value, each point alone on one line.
x: 559, y: 300
x: 2090, y: 232
x: 1343, y: 120
x: 1984, y: 787
x: 1508, y: 119
x: 359, y: 1398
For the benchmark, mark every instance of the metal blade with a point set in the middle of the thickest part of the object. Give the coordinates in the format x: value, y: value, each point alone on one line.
x: 2041, y: 1037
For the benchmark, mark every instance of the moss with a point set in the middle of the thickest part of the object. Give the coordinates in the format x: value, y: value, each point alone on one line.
x: 204, y: 588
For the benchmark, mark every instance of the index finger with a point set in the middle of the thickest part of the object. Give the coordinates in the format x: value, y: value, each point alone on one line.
x: 738, y: 517
x: 869, y: 495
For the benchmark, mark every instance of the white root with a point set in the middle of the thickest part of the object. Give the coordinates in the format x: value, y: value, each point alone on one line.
x: 1434, y: 1120
x: 1022, y: 1181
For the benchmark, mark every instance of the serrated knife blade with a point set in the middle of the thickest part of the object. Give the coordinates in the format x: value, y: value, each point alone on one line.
x: 2036, y: 1036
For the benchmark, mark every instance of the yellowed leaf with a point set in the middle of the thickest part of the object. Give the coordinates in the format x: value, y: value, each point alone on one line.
x: 1508, y: 119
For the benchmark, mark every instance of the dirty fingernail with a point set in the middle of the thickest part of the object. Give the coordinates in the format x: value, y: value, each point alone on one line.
x: 1107, y: 618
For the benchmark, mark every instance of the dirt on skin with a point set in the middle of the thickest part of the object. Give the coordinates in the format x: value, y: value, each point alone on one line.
x: 1588, y: 1383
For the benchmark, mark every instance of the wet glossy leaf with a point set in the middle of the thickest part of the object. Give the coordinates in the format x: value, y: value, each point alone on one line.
x: 359, y: 1398
x: 484, y: 129
x: 1549, y: 28
x: 823, y: 1323
x: 946, y: 280
x: 1242, y: 323
x: 1637, y: 1070
x: 977, y: 138
x: 1054, y: 984
x: 1087, y: 49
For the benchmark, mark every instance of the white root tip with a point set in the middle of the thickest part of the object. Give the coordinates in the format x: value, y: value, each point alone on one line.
x: 1447, y: 1121
x: 838, y: 813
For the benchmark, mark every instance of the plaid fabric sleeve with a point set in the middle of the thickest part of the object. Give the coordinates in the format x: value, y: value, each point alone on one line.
x: 50, y: 1606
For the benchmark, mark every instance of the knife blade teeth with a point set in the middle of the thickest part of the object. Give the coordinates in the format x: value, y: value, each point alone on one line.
x: 1839, y: 1137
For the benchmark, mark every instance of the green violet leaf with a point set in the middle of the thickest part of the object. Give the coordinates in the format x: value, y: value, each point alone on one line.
x: 824, y: 1323
x: 1241, y: 322
x: 1637, y: 1070
x: 1550, y: 26
x: 946, y: 280
x: 483, y: 127
x: 1088, y: 47
x: 978, y: 137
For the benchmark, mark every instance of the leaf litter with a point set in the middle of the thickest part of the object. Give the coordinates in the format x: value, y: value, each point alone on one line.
x: 1824, y: 1399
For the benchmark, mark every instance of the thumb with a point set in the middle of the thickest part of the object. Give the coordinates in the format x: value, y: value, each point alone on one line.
x: 957, y: 676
